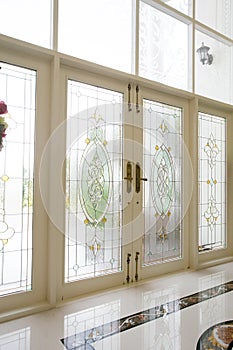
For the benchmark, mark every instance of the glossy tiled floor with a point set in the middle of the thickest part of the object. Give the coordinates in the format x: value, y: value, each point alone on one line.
x: 143, y: 316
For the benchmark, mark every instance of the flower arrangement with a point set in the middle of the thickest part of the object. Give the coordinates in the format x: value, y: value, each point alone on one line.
x: 3, y: 124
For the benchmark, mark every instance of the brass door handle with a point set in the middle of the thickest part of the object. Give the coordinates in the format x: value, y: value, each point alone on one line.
x: 139, y: 178
x: 129, y: 177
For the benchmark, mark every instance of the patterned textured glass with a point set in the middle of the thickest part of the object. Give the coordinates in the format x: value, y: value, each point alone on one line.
x: 163, y: 48
x: 93, y: 181
x: 17, y: 86
x: 212, y: 182
x: 163, y: 191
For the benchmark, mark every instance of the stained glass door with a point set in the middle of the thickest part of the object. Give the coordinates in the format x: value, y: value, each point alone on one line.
x: 160, y: 196
x: 94, y: 186
x: 93, y: 179
x: 123, y: 185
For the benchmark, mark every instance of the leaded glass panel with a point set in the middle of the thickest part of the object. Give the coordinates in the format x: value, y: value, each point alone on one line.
x: 93, y: 181
x: 163, y: 192
x: 212, y: 182
x: 17, y: 86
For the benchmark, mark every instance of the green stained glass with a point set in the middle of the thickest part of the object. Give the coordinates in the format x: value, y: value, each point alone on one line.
x: 95, y: 189
x: 162, y: 203
x: 162, y: 184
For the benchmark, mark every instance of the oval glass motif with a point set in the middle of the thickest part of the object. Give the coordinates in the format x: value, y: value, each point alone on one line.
x: 162, y: 181
x: 95, y: 182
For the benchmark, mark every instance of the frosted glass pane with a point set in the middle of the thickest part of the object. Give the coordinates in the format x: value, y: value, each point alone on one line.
x: 215, y: 80
x: 184, y: 6
x: 97, y: 31
x: 212, y: 182
x: 163, y: 48
x: 28, y: 20
x: 217, y: 14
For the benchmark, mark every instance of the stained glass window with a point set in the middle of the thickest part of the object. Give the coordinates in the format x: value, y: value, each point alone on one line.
x: 212, y: 182
x: 17, y: 87
x: 163, y: 191
x: 93, y: 181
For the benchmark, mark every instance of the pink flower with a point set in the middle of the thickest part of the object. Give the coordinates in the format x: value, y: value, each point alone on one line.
x: 3, y: 108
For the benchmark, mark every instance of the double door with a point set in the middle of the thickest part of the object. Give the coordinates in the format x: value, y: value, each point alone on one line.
x: 124, y: 184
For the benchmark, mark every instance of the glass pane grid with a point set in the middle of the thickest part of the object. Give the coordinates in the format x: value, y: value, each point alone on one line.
x: 93, y: 182
x: 212, y: 182
x: 17, y: 86
x: 162, y: 203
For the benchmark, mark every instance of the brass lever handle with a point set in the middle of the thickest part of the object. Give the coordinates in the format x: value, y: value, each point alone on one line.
x: 139, y: 178
x: 129, y: 177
